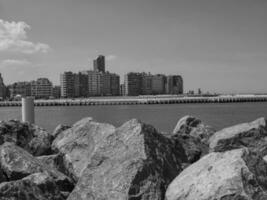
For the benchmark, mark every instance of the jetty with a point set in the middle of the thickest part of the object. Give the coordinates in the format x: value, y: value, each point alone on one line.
x: 168, y: 99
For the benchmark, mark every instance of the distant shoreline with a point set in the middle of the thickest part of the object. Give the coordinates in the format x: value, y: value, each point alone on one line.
x: 162, y: 99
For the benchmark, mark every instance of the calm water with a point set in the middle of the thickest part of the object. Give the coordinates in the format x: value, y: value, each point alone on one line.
x: 163, y: 117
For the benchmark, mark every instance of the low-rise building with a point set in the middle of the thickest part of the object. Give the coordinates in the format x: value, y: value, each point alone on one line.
x: 41, y: 88
x: 22, y: 89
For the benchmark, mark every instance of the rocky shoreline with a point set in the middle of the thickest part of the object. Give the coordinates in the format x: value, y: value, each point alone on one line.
x: 97, y: 161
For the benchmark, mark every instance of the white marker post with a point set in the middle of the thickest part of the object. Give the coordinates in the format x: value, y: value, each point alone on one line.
x: 27, y: 109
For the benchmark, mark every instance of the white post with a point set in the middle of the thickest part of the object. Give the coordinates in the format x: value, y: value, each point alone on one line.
x: 27, y: 109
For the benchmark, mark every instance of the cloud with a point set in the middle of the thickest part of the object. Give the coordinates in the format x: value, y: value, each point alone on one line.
x: 13, y: 62
x: 111, y: 57
x: 13, y: 38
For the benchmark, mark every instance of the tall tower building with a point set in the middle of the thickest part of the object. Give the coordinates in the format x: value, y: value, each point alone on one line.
x: 99, y: 64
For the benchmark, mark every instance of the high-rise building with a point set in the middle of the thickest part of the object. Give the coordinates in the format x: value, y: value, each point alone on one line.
x: 110, y: 84
x: 158, y: 84
x: 115, y: 84
x: 174, y: 84
x: 133, y: 84
x: 74, y: 84
x: 22, y: 89
x: 95, y: 83
x: 2, y: 88
x: 67, y: 80
x: 56, y: 92
x: 99, y: 64
x: 146, y: 87
x: 41, y: 88
x: 106, y: 84
x: 82, y: 84
x: 102, y: 84
x: 122, y: 89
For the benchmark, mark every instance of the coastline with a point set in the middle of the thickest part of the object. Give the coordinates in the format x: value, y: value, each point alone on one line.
x: 162, y: 99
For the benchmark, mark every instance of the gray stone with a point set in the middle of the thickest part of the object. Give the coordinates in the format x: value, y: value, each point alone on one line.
x: 135, y: 162
x: 253, y: 135
x: 32, y: 138
x: 60, y: 128
x: 55, y: 161
x: 190, y: 125
x: 79, y: 142
x: 16, y: 163
x: 38, y: 186
x: 232, y: 175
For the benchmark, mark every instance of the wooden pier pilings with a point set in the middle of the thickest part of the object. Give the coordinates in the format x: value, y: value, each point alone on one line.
x: 141, y: 100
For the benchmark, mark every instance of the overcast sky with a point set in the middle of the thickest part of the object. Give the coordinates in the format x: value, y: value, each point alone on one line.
x: 216, y: 45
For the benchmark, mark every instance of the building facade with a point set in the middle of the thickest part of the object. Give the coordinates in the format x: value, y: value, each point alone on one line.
x: 67, y: 80
x: 115, y: 85
x: 95, y: 83
x: 41, y: 88
x: 56, y: 92
x: 99, y: 64
x: 21, y: 89
x: 133, y: 84
x: 2, y: 88
x: 74, y: 84
x: 146, y: 85
x: 158, y: 84
x: 174, y: 84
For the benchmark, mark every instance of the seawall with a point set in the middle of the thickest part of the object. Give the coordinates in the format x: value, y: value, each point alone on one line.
x: 142, y: 100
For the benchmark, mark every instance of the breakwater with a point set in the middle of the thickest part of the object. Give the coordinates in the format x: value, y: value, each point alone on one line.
x: 142, y: 100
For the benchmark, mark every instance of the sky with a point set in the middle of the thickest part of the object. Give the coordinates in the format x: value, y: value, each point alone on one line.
x: 216, y: 45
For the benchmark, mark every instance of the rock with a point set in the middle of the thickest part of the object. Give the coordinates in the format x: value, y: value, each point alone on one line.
x: 253, y: 135
x: 233, y: 175
x: 17, y: 163
x: 135, y: 162
x: 78, y: 143
x: 55, y: 161
x: 38, y: 186
x: 60, y: 128
x: 32, y: 138
x: 193, y: 135
x: 193, y: 147
x: 192, y: 126
x: 41, y: 142
x: 16, y: 132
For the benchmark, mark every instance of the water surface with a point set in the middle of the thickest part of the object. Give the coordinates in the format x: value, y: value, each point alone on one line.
x: 163, y: 117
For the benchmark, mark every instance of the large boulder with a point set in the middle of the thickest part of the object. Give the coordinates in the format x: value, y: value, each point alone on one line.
x: 38, y: 186
x: 193, y: 135
x: 135, y: 162
x: 16, y: 163
x: 55, y: 161
x: 79, y: 143
x: 32, y: 138
x: 239, y: 174
x: 252, y: 135
x: 189, y: 125
x: 60, y: 128
x: 193, y: 147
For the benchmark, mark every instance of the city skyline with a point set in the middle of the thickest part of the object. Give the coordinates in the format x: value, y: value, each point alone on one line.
x: 219, y: 46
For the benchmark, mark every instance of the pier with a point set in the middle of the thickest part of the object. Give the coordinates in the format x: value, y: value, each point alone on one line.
x: 94, y: 101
